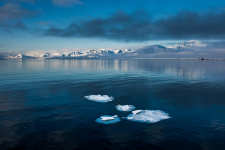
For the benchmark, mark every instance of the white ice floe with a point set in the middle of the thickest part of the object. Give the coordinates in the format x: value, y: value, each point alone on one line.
x: 108, y: 119
x: 99, y: 98
x: 147, y: 116
x: 136, y: 111
x: 125, y: 107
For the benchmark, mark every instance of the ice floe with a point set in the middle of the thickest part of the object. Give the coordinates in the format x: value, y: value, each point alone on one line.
x: 147, y: 116
x: 136, y: 111
x: 99, y: 98
x: 108, y: 119
x: 125, y: 107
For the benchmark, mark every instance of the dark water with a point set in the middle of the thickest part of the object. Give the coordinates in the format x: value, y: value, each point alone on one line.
x: 42, y: 104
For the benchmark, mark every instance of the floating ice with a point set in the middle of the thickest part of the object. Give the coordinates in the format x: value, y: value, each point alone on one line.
x: 136, y: 111
x: 99, y: 98
x: 125, y: 107
x: 108, y: 119
x: 105, y: 118
x: 147, y: 116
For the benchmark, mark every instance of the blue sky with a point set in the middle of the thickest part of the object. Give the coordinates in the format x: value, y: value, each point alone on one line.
x: 68, y: 24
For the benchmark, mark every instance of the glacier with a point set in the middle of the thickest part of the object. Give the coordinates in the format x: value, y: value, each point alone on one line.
x: 125, y: 107
x: 100, y: 98
x: 147, y: 116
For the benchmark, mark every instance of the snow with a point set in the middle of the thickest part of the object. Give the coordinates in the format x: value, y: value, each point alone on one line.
x: 106, y: 119
x: 125, y: 107
x: 56, y: 54
x: 148, y: 116
x: 136, y: 112
x: 18, y: 56
x: 72, y: 54
x: 147, y: 51
x: 188, y: 44
x: 99, y: 98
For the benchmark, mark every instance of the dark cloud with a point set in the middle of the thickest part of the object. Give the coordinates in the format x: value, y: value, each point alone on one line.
x: 66, y: 3
x: 13, y: 11
x: 139, y: 26
x: 11, y: 16
x: 190, y: 24
x: 60, y: 3
x: 17, y: 25
x: 27, y: 1
x: 119, y: 26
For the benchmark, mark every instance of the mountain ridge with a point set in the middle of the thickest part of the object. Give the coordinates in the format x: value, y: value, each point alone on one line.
x: 151, y: 49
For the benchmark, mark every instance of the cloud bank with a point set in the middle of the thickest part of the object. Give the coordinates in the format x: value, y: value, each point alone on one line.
x: 139, y: 27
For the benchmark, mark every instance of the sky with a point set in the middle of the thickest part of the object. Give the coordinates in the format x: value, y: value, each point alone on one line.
x: 90, y: 24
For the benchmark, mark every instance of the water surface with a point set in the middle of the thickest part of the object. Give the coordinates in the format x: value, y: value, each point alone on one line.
x: 42, y: 104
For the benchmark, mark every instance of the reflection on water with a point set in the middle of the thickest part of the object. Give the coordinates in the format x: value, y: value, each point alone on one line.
x: 191, y: 69
x: 42, y: 101
x: 189, y: 73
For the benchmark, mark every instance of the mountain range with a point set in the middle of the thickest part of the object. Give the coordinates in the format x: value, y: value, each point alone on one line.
x: 188, y: 46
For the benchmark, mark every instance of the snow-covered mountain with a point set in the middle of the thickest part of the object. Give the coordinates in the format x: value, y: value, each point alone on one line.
x: 14, y: 56
x: 87, y: 54
x: 187, y: 45
x: 181, y: 47
x: 152, y: 49
x: 191, y: 45
x: 65, y: 55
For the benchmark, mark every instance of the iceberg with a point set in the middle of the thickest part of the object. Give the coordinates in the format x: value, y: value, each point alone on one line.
x: 147, y: 116
x: 125, y: 107
x: 99, y: 98
x: 106, y: 119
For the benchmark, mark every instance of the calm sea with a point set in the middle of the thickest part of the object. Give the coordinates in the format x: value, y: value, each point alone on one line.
x: 42, y: 104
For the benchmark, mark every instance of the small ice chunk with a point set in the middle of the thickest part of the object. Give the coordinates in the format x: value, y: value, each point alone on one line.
x: 99, y: 98
x: 125, y: 107
x: 136, y: 111
x: 108, y: 119
x: 104, y: 118
x: 147, y: 116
